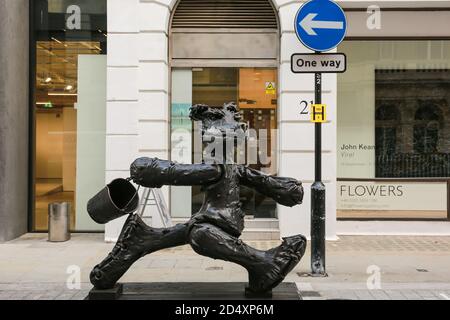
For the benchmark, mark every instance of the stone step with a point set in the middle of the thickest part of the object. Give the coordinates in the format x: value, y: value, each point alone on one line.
x: 260, y: 234
x: 264, y: 223
x: 255, y: 229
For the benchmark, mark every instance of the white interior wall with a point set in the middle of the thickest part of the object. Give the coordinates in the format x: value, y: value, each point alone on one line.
x: 90, y: 135
x: 181, y: 197
x: 49, y: 145
x: 69, y: 156
x: 357, y: 112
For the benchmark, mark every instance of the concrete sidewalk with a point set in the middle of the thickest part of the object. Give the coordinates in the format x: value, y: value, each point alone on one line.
x: 359, y: 267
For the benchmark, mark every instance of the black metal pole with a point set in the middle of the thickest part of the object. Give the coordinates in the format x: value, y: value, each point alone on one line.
x: 318, y: 197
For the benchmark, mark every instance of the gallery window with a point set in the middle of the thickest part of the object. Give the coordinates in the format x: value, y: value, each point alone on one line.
x: 69, y: 40
x: 393, y: 129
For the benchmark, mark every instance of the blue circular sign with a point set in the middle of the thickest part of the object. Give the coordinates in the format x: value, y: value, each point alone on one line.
x: 320, y: 25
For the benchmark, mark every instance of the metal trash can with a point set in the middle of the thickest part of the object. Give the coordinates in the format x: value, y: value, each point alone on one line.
x: 58, y: 222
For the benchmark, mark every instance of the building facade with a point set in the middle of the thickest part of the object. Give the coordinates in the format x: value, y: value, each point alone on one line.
x: 113, y: 80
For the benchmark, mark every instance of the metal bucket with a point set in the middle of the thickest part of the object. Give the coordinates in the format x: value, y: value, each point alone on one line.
x: 117, y: 199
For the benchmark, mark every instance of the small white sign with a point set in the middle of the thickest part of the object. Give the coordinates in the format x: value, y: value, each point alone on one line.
x: 318, y: 63
x: 395, y: 196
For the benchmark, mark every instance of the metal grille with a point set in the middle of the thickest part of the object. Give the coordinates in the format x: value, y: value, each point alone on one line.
x: 411, y: 165
x: 224, y: 14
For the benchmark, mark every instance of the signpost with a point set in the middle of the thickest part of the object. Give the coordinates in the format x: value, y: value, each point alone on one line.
x: 320, y: 25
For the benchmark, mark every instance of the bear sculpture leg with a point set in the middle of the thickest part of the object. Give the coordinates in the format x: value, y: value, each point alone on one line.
x: 266, y: 269
x: 135, y: 241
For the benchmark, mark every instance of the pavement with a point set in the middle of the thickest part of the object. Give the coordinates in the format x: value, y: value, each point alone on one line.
x: 358, y: 267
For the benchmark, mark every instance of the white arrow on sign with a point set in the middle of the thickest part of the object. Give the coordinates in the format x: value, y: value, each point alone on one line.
x: 309, y: 24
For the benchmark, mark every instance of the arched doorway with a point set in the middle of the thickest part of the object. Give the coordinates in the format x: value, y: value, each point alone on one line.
x: 222, y: 51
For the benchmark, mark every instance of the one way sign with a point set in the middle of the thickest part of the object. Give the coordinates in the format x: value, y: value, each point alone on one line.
x: 318, y: 63
x: 320, y: 25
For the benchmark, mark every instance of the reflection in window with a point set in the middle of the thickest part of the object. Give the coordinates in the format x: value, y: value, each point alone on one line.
x: 410, y: 145
x: 426, y: 129
x: 387, y: 119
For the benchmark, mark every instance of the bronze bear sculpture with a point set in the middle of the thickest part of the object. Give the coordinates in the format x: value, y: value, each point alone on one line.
x: 215, y: 229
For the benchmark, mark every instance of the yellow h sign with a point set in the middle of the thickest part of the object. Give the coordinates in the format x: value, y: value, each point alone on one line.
x: 318, y: 113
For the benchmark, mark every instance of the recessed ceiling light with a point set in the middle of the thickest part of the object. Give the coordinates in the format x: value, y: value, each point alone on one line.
x: 61, y: 94
x: 54, y: 39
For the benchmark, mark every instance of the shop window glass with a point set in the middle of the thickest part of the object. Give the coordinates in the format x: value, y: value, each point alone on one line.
x: 70, y: 103
x: 392, y: 129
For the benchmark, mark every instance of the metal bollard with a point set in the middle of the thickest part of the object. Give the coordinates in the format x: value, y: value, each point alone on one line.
x: 58, y: 222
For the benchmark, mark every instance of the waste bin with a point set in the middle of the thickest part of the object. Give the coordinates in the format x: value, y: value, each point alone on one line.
x: 58, y: 222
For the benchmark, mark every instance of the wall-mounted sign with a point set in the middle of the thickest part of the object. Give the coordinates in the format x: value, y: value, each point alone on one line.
x: 318, y: 113
x: 270, y: 88
x: 314, y: 63
x: 395, y: 196
x: 320, y: 25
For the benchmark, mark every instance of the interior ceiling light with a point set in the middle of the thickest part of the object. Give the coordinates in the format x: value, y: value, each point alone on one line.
x: 54, y: 39
x: 69, y: 87
x: 48, y: 80
x: 61, y: 94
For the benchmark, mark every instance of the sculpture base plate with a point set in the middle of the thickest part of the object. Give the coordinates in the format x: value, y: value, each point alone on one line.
x: 108, y: 294
x: 191, y: 291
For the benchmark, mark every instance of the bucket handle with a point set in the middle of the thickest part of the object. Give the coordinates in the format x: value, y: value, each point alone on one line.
x: 129, y: 202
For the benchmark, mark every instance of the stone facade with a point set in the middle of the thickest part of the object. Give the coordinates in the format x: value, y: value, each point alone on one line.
x: 138, y: 90
x: 14, y: 117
